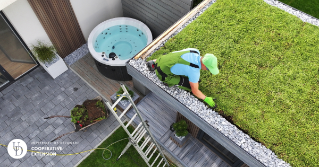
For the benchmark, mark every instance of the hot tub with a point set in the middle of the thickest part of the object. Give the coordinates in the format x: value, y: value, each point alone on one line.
x: 113, y: 42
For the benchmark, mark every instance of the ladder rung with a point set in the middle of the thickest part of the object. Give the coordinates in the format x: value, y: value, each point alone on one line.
x: 155, y: 159
x: 128, y: 124
x: 152, y: 153
x: 139, y: 125
x: 118, y: 100
x: 138, y: 132
x: 148, y: 150
x: 164, y: 164
x: 141, y: 136
x: 160, y: 162
x: 125, y: 111
x: 145, y: 142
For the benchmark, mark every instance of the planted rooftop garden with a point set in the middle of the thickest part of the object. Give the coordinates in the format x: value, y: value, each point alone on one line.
x: 268, y: 83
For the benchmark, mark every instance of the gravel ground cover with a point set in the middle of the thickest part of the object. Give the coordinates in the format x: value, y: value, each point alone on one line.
x: 268, y: 81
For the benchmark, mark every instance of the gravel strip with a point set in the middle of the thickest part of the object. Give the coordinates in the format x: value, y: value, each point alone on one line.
x: 256, y: 149
x: 76, y: 55
x: 303, y: 16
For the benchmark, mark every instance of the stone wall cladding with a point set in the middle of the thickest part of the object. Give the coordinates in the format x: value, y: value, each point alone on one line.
x: 257, y: 150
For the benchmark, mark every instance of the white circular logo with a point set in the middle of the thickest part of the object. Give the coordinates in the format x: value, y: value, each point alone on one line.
x: 17, y: 148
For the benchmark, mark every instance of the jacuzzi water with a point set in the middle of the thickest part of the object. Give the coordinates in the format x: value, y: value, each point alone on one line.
x: 124, y: 40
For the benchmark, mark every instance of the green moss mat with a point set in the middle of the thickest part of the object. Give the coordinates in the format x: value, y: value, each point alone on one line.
x: 310, y: 7
x: 269, y: 73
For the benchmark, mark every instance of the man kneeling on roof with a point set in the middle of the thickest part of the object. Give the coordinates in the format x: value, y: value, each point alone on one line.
x: 183, y: 68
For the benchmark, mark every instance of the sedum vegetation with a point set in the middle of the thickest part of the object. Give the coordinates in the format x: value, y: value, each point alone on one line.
x: 269, y: 73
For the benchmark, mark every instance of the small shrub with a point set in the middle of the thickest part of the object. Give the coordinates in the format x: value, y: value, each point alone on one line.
x: 121, y: 91
x: 43, y: 52
x: 180, y: 128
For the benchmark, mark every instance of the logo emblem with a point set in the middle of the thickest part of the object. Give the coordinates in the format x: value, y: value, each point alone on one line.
x: 17, y: 148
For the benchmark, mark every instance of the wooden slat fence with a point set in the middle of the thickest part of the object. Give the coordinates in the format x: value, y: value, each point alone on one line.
x: 60, y: 23
x: 158, y: 15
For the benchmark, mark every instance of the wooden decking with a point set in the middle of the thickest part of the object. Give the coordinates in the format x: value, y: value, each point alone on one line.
x: 87, y: 70
x: 160, y: 117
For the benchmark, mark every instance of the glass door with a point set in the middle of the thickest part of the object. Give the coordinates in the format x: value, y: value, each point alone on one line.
x: 15, y: 59
x: 3, y: 80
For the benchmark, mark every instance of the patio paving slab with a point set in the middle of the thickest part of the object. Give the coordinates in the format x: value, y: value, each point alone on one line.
x: 25, y: 103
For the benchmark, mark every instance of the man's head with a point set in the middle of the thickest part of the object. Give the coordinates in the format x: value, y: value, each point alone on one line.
x: 210, y: 62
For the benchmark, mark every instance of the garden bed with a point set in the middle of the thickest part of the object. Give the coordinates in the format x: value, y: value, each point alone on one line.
x: 268, y: 81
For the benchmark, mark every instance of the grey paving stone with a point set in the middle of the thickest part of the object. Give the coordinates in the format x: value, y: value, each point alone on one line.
x: 41, y: 104
x: 59, y: 98
x: 71, y: 105
x: 15, y: 163
x: 50, y: 137
x: 32, y: 119
x: 7, y: 138
x: 34, y: 83
x: 12, y: 124
x: 49, y: 129
x: 8, y: 89
x: 19, y: 129
x: 66, y: 160
x: 7, y: 106
x: 26, y: 132
x: 1, y: 94
x: 38, y: 98
x: 95, y: 142
x: 91, y: 137
x: 10, y: 98
x: 27, y: 105
x: 16, y: 116
x: 58, y: 122
x: 26, y: 80
x: 76, y: 159
x: 66, y: 101
x: 47, y: 159
x: 34, y: 133
x: 12, y: 113
x: 41, y: 119
x: 6, y: 162
x: 39, y: 164
x: 48, y: 107
x: 30, y: 161
x: 44, y: 126
x: 4, y: 157
x: 64, y: 111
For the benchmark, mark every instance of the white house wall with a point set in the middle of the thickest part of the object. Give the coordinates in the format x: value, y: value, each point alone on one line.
x: 26, y: 23
x: 90, y: 13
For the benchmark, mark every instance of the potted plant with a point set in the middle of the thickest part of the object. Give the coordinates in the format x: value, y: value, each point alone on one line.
x: 49, y: 59
x: 181, y: 134
x: 121, y: 91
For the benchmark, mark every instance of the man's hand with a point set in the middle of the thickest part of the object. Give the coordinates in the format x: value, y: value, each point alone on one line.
x: 210, y: 101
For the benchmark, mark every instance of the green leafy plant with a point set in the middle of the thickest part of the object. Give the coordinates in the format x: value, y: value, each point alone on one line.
x: 45, y: 53
x: 100, y: 105
x: 77, y: 113
x: 180, y: 128
x: 121, y: 91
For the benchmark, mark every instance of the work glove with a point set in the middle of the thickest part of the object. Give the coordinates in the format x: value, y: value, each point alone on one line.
x: 210, y: 102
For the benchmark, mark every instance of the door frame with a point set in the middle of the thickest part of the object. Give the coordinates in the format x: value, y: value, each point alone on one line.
x: 3, y: 71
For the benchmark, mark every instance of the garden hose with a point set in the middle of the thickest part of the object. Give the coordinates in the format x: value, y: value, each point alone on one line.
x: 106, y: 148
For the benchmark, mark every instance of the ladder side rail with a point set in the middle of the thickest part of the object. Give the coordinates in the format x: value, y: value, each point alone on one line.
x: 145, y: 126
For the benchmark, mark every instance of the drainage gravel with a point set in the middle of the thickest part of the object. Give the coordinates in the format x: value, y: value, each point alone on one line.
x: 257, y: 150
x: 76, y: 55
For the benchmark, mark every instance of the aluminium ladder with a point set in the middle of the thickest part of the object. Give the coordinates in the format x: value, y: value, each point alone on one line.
x: 142, y: 130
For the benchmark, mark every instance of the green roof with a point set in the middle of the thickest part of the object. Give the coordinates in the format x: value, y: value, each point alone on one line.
x: 269, y: 73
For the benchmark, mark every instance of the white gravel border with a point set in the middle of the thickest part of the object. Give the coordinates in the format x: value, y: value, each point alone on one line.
x: 257, y: 150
